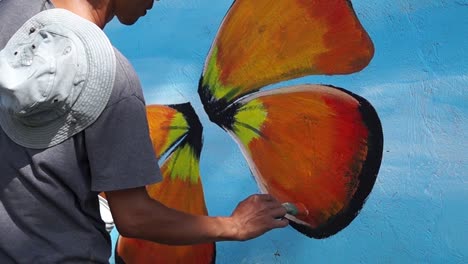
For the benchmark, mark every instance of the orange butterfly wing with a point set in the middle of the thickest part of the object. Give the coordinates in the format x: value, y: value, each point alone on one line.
x: 315, y: 145
x: 175, y: 129
x: 263, y: 42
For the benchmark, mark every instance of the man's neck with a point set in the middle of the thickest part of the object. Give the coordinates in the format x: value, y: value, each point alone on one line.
x: 100, y: 12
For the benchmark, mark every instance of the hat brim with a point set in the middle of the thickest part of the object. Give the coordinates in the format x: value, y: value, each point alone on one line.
x: 99, y: 82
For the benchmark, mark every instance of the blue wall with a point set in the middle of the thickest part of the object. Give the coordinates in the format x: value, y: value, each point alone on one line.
x: 417, y: 81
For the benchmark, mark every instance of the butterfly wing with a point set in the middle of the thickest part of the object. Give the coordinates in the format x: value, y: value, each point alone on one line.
x: 176, y: 132
x: 316, y: 145
x: 263, y: 42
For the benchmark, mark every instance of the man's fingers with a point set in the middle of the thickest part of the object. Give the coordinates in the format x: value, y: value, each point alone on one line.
x: 268, y: 202
x: 264, y: 197
x: 280, y: 223
x: 278, y: 212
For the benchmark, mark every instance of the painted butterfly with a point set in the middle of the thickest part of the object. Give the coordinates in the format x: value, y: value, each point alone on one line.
x: 317, y: 145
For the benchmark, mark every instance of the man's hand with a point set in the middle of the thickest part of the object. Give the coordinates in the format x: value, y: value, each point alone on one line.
x: 256, y: 215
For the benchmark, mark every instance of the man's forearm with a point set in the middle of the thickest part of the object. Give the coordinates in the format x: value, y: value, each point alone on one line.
x: 165, y: 225
x: 137, y: 215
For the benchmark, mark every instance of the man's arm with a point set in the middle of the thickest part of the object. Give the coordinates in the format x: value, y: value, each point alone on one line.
x: 137, y: 215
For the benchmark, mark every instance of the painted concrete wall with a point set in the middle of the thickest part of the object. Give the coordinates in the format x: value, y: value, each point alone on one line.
x: 418, y: 83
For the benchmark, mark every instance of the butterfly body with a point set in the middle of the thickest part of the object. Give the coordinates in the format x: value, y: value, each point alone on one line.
x: 220, y: 111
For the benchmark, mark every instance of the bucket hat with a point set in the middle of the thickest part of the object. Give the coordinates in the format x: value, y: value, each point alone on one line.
x: 56, y: 76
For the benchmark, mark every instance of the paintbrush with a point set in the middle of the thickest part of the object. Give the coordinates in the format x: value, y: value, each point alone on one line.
x: 296, y: 209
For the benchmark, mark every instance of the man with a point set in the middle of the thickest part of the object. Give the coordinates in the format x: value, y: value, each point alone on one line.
x: 49, y: 210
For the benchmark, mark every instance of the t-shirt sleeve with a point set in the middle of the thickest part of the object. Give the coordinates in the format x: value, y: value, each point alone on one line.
x: 120, y: 151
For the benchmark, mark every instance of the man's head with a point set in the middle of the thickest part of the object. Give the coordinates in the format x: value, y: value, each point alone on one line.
x: 102, y: 11
x: 129, y: 11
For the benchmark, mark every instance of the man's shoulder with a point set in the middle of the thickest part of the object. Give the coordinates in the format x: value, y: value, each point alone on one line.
x: 126, y: 84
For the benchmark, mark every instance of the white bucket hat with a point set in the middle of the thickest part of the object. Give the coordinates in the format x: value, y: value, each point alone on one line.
x: 56, y: 76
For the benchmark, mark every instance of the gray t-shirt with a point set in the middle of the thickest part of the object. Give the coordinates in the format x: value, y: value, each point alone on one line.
x: 49, y: 210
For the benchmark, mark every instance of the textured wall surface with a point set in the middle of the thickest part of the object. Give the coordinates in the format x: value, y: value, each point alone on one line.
x: 418, y: 83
